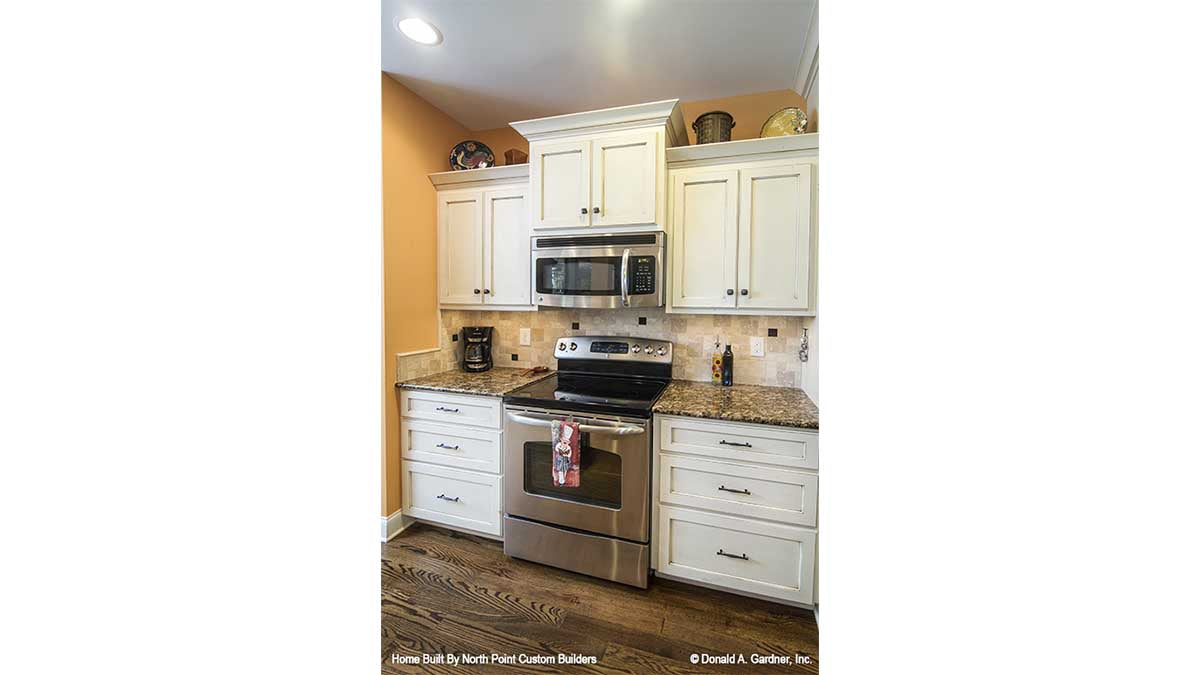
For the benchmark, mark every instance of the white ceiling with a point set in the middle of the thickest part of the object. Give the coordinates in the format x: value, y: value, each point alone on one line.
x: 508, y: 60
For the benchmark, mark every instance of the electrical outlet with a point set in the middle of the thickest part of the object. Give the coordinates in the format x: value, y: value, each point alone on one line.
x: 756, y: 346
x: 525, y: 338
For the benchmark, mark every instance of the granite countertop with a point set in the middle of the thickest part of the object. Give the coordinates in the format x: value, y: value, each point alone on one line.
x: 494, y: 382
x: 781, y: 406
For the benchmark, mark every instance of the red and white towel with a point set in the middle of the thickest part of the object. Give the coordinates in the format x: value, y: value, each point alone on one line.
x: 564, y: 451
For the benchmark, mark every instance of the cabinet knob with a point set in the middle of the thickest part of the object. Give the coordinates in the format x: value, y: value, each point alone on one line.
x: 486, y: 291
x: 595, y: 209
x: 476, y: 291
x: 728, y: 291
x: 583, y: 211
x: 745, y: 292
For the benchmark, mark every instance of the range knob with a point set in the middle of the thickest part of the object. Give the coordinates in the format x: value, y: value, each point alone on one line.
x: 649, y: 349
x: 562, y: 346
x: 636, y: 349
x: 662, y: 351
x: 574, y: 346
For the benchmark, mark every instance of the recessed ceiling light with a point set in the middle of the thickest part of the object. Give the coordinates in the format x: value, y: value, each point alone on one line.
x: 419, y: 30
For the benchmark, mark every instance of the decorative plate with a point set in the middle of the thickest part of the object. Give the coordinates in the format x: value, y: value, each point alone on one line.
x: 786, y: 122
x: 471, y: 155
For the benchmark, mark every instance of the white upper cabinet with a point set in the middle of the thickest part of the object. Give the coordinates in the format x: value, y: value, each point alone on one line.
x: 743, y: 219
x: 506, y: 246
x: 602, y: 171
x: 704, y: 223
x: 560, y: 175
x: 624, y: 179
x: 483, y: 238
x: 460, y: 238
x: 774, y: 230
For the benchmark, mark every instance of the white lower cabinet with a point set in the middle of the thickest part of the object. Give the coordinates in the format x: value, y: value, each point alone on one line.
x: 468, y: 499
x: 736, y: 507
x: 746, y: 555
x: 451, y: 447
x: 738, y: 489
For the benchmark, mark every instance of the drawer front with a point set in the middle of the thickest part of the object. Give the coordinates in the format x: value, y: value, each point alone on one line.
x: 481, y: 411
x: 779, y: 560
x: 459, y: 446
x: 739, y: 489
x: 466, y: 499
x: 757, y: 443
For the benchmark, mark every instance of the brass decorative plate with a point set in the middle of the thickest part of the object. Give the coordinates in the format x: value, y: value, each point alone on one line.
x: 786, y: 122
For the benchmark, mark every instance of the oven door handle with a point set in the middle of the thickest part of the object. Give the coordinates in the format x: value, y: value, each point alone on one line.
x: 614, y: 429
x: 625, y: 278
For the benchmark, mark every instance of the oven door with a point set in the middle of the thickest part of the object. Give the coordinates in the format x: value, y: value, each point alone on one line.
x: 613, y: 496
x: 598, y: 276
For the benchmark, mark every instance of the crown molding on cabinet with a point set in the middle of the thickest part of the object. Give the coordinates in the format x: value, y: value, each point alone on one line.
x: 747, y: 148
x: 666, y: 112
x: 467, y: 177
x: 806, y: 75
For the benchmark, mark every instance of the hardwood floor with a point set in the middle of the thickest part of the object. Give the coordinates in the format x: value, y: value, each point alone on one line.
x: 450, y: 593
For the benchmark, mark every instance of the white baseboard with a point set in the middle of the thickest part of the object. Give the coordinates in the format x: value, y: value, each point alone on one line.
x: 394, y: 524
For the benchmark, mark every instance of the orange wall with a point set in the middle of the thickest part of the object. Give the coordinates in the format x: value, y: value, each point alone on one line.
x: 416, y: 141
x: 749, y: 111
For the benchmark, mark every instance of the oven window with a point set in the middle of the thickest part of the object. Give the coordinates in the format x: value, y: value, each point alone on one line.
x: 599, y: 475
x: 596, y: 275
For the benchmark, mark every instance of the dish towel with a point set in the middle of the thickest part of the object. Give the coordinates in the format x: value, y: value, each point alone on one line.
x: 564, y: 437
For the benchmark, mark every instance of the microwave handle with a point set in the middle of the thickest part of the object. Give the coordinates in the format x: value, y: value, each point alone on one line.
x: 625, y: 279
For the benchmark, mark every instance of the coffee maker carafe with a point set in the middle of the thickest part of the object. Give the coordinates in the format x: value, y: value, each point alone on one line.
x: 477, y: 348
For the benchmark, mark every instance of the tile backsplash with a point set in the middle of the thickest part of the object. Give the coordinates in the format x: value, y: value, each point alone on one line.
x: 694, y: 336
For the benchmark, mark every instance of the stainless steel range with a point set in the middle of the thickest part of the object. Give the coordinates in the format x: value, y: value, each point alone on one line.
x: 602, y: 527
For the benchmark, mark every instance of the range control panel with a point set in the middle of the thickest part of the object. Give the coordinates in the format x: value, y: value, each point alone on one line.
x: 625, y: 348
x: 642, y: 275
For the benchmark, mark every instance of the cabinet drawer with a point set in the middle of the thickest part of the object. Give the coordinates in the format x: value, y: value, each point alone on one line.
x: 739, y: 489
x: 758, y: 443
x: 482, y: 411
x: 466, y: 499
x: 458, y: 446
x: 778, y: 560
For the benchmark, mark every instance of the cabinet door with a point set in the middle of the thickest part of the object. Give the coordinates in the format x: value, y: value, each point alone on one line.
x: 774, y: 236
x: 559, y: 175
x: 624, y: 182
x: 704, y: 222
x: 506, y: 247
x: 460, y: 247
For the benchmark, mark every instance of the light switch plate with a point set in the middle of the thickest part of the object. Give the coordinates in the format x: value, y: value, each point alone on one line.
x: 525, y: 338
x: 756, y: 346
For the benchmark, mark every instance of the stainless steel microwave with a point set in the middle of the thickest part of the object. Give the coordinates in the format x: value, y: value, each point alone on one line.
x: 599, y: 270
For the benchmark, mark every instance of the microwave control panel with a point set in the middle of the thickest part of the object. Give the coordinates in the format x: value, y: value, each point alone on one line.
x: 642, y: 275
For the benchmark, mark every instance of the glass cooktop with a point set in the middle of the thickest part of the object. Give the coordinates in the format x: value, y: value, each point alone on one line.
x: 590, y: 393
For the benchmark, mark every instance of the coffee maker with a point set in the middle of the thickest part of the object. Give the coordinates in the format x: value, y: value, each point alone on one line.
x: 477, y: 348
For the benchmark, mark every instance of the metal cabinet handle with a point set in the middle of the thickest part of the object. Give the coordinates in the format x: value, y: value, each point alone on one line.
x: 453, y: 410
x: 455, y: 447
x: 740, y: 492
x: 486, y: 291
x: 739, y: 445
x: 730, y: 555
x: 583, y: 211
x: 476, y: 291
x: 449, y: 499
x: 595, y: 209
x: 728, y: 291
x: 745, y: 291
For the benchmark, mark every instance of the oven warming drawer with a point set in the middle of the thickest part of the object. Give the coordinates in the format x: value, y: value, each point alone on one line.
x: 598, y: 556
